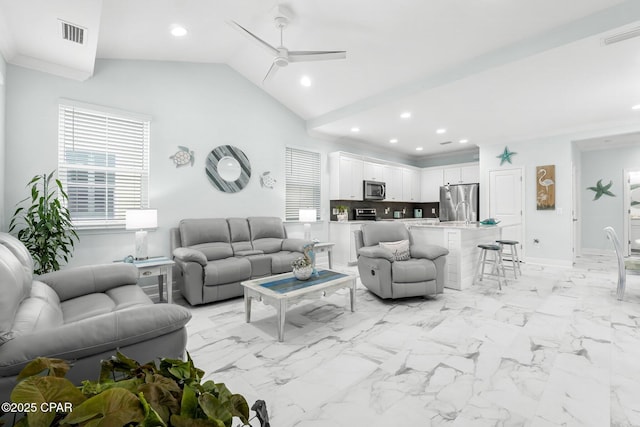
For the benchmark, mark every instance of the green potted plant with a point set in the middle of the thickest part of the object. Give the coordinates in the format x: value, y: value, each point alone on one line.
x: 43, y: 223
x: 131, y: 394
x: 343, y: 213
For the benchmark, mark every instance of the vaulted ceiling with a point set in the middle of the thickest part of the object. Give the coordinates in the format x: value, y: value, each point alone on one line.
x: 485, y: 71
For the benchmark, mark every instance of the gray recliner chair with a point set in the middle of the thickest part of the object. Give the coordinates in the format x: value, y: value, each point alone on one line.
x: 81, y: 315
x: 420, y: 272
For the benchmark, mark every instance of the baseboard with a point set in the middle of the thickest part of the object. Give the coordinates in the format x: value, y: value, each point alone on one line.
x: 549, y: 262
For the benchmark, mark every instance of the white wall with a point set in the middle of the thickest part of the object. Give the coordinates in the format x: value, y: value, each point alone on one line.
x: 3, y: 69
x: 200, y: 106
x: 608, y: 165
x: 551, y: 228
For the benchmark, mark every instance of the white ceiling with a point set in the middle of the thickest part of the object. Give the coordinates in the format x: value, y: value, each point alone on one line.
x: 489, y: 71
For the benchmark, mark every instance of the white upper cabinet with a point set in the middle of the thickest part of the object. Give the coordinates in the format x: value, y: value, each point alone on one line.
x: 432, y: 180
x: 410, y: 185
x: 393, y: 179
x: 345, y: 177
x: 373, y: 171
x: 462, y: 174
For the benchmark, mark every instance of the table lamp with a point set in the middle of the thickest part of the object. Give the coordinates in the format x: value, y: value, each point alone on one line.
x: 139, y: 219
x: 307, y: 216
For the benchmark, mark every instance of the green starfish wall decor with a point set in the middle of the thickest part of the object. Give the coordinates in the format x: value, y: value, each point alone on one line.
x: 505, y: 156
x: 601, y: 189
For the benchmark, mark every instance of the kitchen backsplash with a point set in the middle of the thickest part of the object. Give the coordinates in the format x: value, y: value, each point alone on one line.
x: 385, y: 210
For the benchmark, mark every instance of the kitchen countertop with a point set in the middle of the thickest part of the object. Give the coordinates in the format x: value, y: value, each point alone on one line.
x: 430, y: 223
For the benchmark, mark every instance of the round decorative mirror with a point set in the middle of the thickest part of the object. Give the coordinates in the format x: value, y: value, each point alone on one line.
x: 228, y: 168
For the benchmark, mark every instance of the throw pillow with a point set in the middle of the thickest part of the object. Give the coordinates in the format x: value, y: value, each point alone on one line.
x: 399, y: 249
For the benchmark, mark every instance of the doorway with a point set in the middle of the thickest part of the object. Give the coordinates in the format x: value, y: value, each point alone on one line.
x: 506, y: 187
x: 631, y: 212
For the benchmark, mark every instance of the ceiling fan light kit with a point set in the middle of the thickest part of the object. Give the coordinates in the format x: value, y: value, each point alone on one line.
x: 282, y: 55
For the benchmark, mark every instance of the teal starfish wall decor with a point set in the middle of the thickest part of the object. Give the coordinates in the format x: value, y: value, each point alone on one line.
x: 601, y: 189
x: 505, y: 156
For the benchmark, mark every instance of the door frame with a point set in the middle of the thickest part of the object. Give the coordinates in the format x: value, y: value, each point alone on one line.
x: 626, y: 210
x: 522, y: 249
x: 575, y: 213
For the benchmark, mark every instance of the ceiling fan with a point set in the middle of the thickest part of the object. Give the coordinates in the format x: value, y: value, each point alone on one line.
x: 284, y: 56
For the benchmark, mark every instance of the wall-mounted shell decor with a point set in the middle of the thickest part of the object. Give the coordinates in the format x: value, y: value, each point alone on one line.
x: 600, y: 189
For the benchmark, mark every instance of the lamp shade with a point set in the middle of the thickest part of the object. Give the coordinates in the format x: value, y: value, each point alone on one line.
x: 138, y: 219
x: 307, y: 215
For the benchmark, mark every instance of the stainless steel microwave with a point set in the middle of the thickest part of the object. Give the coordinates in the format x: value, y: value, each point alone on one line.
x: 374, y: 190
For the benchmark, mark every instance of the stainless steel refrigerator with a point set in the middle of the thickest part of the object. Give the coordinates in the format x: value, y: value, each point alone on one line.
x: 459, y: 202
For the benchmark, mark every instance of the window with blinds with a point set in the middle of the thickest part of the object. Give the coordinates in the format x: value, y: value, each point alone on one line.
x: 302, y: 183
x: 103, y: 164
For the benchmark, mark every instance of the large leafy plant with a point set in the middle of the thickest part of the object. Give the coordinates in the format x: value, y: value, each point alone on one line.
x: 130, y: 394
x: 44, y: 224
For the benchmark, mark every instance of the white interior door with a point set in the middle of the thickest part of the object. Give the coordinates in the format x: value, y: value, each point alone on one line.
x: 506, y: 187
x: 575, y: 213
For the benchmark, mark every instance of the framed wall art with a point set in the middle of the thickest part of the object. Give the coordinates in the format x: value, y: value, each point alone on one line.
x: 546, y: 187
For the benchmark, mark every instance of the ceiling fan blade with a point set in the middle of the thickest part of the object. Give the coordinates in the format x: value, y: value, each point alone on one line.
x: 270, y: 73
x: 314, y: 55
x: 272, y: 50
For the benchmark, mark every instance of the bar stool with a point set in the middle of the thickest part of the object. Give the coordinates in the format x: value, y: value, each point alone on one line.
x: 511, y: 255
x: 497, y: 269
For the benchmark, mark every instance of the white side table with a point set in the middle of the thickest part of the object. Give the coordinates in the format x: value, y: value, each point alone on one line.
x: 324, y: 247
x: 161, y: 267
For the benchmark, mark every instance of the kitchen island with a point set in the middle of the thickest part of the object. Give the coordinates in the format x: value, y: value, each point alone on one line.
x: 462, y: 240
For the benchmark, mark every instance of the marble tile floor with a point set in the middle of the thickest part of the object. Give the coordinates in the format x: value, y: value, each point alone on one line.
x: 554, y: 348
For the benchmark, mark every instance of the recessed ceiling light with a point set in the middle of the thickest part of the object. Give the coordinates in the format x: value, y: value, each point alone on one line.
x: 305, y: 81
x: 393, y: 140
x: 405, y: 115
x: 463, y: 141
x: 355, y: 129
x: 418, y: 148
x: 636, y: 107
x: 441, y: 131
x: 178, y: 31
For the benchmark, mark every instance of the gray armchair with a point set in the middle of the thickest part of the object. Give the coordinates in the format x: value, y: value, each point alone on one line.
x: 398, y: 275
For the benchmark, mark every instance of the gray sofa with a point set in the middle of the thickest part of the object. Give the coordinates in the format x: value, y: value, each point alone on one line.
x: 81, y: 314
x: 420, y: 274
x: 213, y: 255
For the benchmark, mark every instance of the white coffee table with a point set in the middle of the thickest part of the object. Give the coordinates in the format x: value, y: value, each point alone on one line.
x: 283, y: 290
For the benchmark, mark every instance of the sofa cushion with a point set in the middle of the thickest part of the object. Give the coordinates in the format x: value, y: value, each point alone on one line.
x: 240, y: 234
x: 268, y: 245
x: 281, y: 261
x: 20, y: 251
x: 266, y: 226
x: 37, y: 314
x: 204, y: 230
x: 214, y: 250
x: 11, y: 287
x: 86, y: 306
x: 229, y: 270
x: 413, y: 270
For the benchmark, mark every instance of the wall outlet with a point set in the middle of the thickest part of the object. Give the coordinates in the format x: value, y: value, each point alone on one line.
x: 334, y: 211
x: 433, y: 210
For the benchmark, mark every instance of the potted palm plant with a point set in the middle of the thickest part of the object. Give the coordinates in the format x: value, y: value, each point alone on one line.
x: 43, y: 223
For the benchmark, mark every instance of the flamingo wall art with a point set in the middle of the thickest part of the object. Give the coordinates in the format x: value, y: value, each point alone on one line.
x: 546, y: 187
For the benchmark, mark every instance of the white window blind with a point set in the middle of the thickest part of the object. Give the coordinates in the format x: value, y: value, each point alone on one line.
x: 103, y: 164
x: 303, y: 182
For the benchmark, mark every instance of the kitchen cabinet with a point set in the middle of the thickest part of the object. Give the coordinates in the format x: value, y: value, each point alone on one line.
x: 411, y: 185
x: 345, y: 177
x: 431, y: 181
x: 373, y: 171
x: 462, y: 174
x: 393, y: 178
x: 342, y: 234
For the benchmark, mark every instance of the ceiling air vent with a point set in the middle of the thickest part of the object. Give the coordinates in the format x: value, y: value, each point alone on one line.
x: 634, y: 32
x: 445, y: 143
x: 72, y: 32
